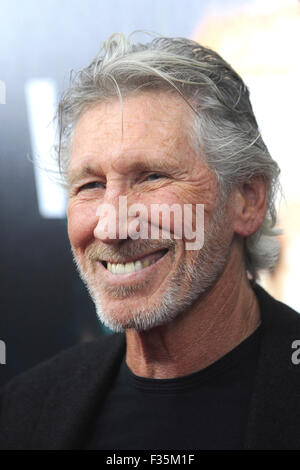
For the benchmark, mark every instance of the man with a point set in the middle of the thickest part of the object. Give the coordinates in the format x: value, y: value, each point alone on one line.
x: 202, y: 356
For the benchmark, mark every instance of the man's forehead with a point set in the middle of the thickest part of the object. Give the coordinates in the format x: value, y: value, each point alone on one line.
x: 140, y: 114
x: 142, y: 130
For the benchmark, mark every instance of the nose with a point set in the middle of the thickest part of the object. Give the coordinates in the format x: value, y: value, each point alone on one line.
x: 113, y: 220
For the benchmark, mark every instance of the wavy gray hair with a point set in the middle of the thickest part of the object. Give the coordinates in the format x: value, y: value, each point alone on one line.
x: 223, y: 125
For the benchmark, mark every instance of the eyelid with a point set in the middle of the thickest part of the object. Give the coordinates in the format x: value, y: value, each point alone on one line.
x: 161, y: 175
x: 84, y: 185
x: 78, y: 188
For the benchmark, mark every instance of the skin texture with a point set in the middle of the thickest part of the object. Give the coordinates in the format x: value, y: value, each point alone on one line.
x: 115, y: 155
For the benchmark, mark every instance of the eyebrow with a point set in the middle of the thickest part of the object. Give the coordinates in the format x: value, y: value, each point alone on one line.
x: 149, y: 165
x: 146, y: 165
x: 78, y: 175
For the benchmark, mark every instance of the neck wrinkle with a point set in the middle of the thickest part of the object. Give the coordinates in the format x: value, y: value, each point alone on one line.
x: 221, y: 319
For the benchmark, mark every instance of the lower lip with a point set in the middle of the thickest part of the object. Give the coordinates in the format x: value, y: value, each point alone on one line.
x: 134, y: 276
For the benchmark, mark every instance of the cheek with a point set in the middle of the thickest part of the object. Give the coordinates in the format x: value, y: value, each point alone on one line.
x: 81, y: 224
x: 197, y: 193
x: 196, y: 209
x: 158, y: 204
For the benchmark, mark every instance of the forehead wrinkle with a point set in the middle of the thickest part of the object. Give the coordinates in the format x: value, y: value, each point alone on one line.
x: 143, y: 162
x: 168, y: 133
x: 81, y: 173
x: 170, y: 150
x: 121, y: 165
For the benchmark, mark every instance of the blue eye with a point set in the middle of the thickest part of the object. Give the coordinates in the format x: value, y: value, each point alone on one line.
x: 155, y: 176
x: 91, y: 185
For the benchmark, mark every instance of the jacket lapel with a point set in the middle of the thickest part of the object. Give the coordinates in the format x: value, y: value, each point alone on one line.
x: 274, y: 418
x: 81, y: 393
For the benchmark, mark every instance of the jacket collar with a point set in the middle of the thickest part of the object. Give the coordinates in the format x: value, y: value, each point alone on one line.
x: 274, y: 411
x: 274, y: 414
x: 72, y: 404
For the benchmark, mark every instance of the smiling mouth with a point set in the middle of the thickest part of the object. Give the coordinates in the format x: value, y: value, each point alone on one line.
x: 134, y: 265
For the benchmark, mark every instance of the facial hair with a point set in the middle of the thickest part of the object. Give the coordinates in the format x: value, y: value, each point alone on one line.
x: 187, y: 283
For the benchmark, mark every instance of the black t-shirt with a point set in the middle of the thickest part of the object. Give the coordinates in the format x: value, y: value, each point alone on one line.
x: 204, y: 410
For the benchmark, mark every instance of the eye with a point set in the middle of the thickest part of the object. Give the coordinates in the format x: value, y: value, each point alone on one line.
x: 155, y: 176
x: 91, y: 185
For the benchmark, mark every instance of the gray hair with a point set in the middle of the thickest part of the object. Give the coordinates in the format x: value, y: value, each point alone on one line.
x: 224, y: 126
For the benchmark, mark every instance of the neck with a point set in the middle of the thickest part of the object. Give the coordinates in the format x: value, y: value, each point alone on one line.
x: 221, y: 319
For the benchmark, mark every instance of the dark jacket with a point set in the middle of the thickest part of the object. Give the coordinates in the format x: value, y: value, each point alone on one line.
x: 53, y: 405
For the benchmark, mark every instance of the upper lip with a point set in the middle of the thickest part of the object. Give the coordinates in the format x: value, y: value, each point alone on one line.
x: 133, y: 259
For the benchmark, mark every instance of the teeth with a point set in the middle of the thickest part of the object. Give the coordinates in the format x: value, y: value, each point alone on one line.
x: 129, y: 267
x: 138, y: 265
x: 119, y: 268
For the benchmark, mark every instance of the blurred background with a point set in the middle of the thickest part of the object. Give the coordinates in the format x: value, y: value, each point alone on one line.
x: 44, y: 305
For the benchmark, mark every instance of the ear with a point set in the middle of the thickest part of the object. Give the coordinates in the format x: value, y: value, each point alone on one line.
x: 250, y: 205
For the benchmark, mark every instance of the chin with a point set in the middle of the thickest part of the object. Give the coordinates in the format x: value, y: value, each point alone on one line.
x: 137, y: 318
x: 138, y: 315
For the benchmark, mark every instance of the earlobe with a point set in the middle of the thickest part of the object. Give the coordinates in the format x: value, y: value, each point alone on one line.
x: 251, y: 206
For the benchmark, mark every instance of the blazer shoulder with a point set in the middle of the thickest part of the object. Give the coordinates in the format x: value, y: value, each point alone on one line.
x: 274, y: 413
x: 22, y: 400
x: 69, y: 361
x: 277, y: 315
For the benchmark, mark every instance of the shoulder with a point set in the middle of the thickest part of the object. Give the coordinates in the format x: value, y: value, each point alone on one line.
x: 23, y: 399
x: 71, y: 361
x: 276, y: 315
x: 275, y: 414
x: 280, y: 333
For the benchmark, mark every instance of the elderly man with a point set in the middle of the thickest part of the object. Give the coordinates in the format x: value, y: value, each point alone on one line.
x: 201, y: 357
